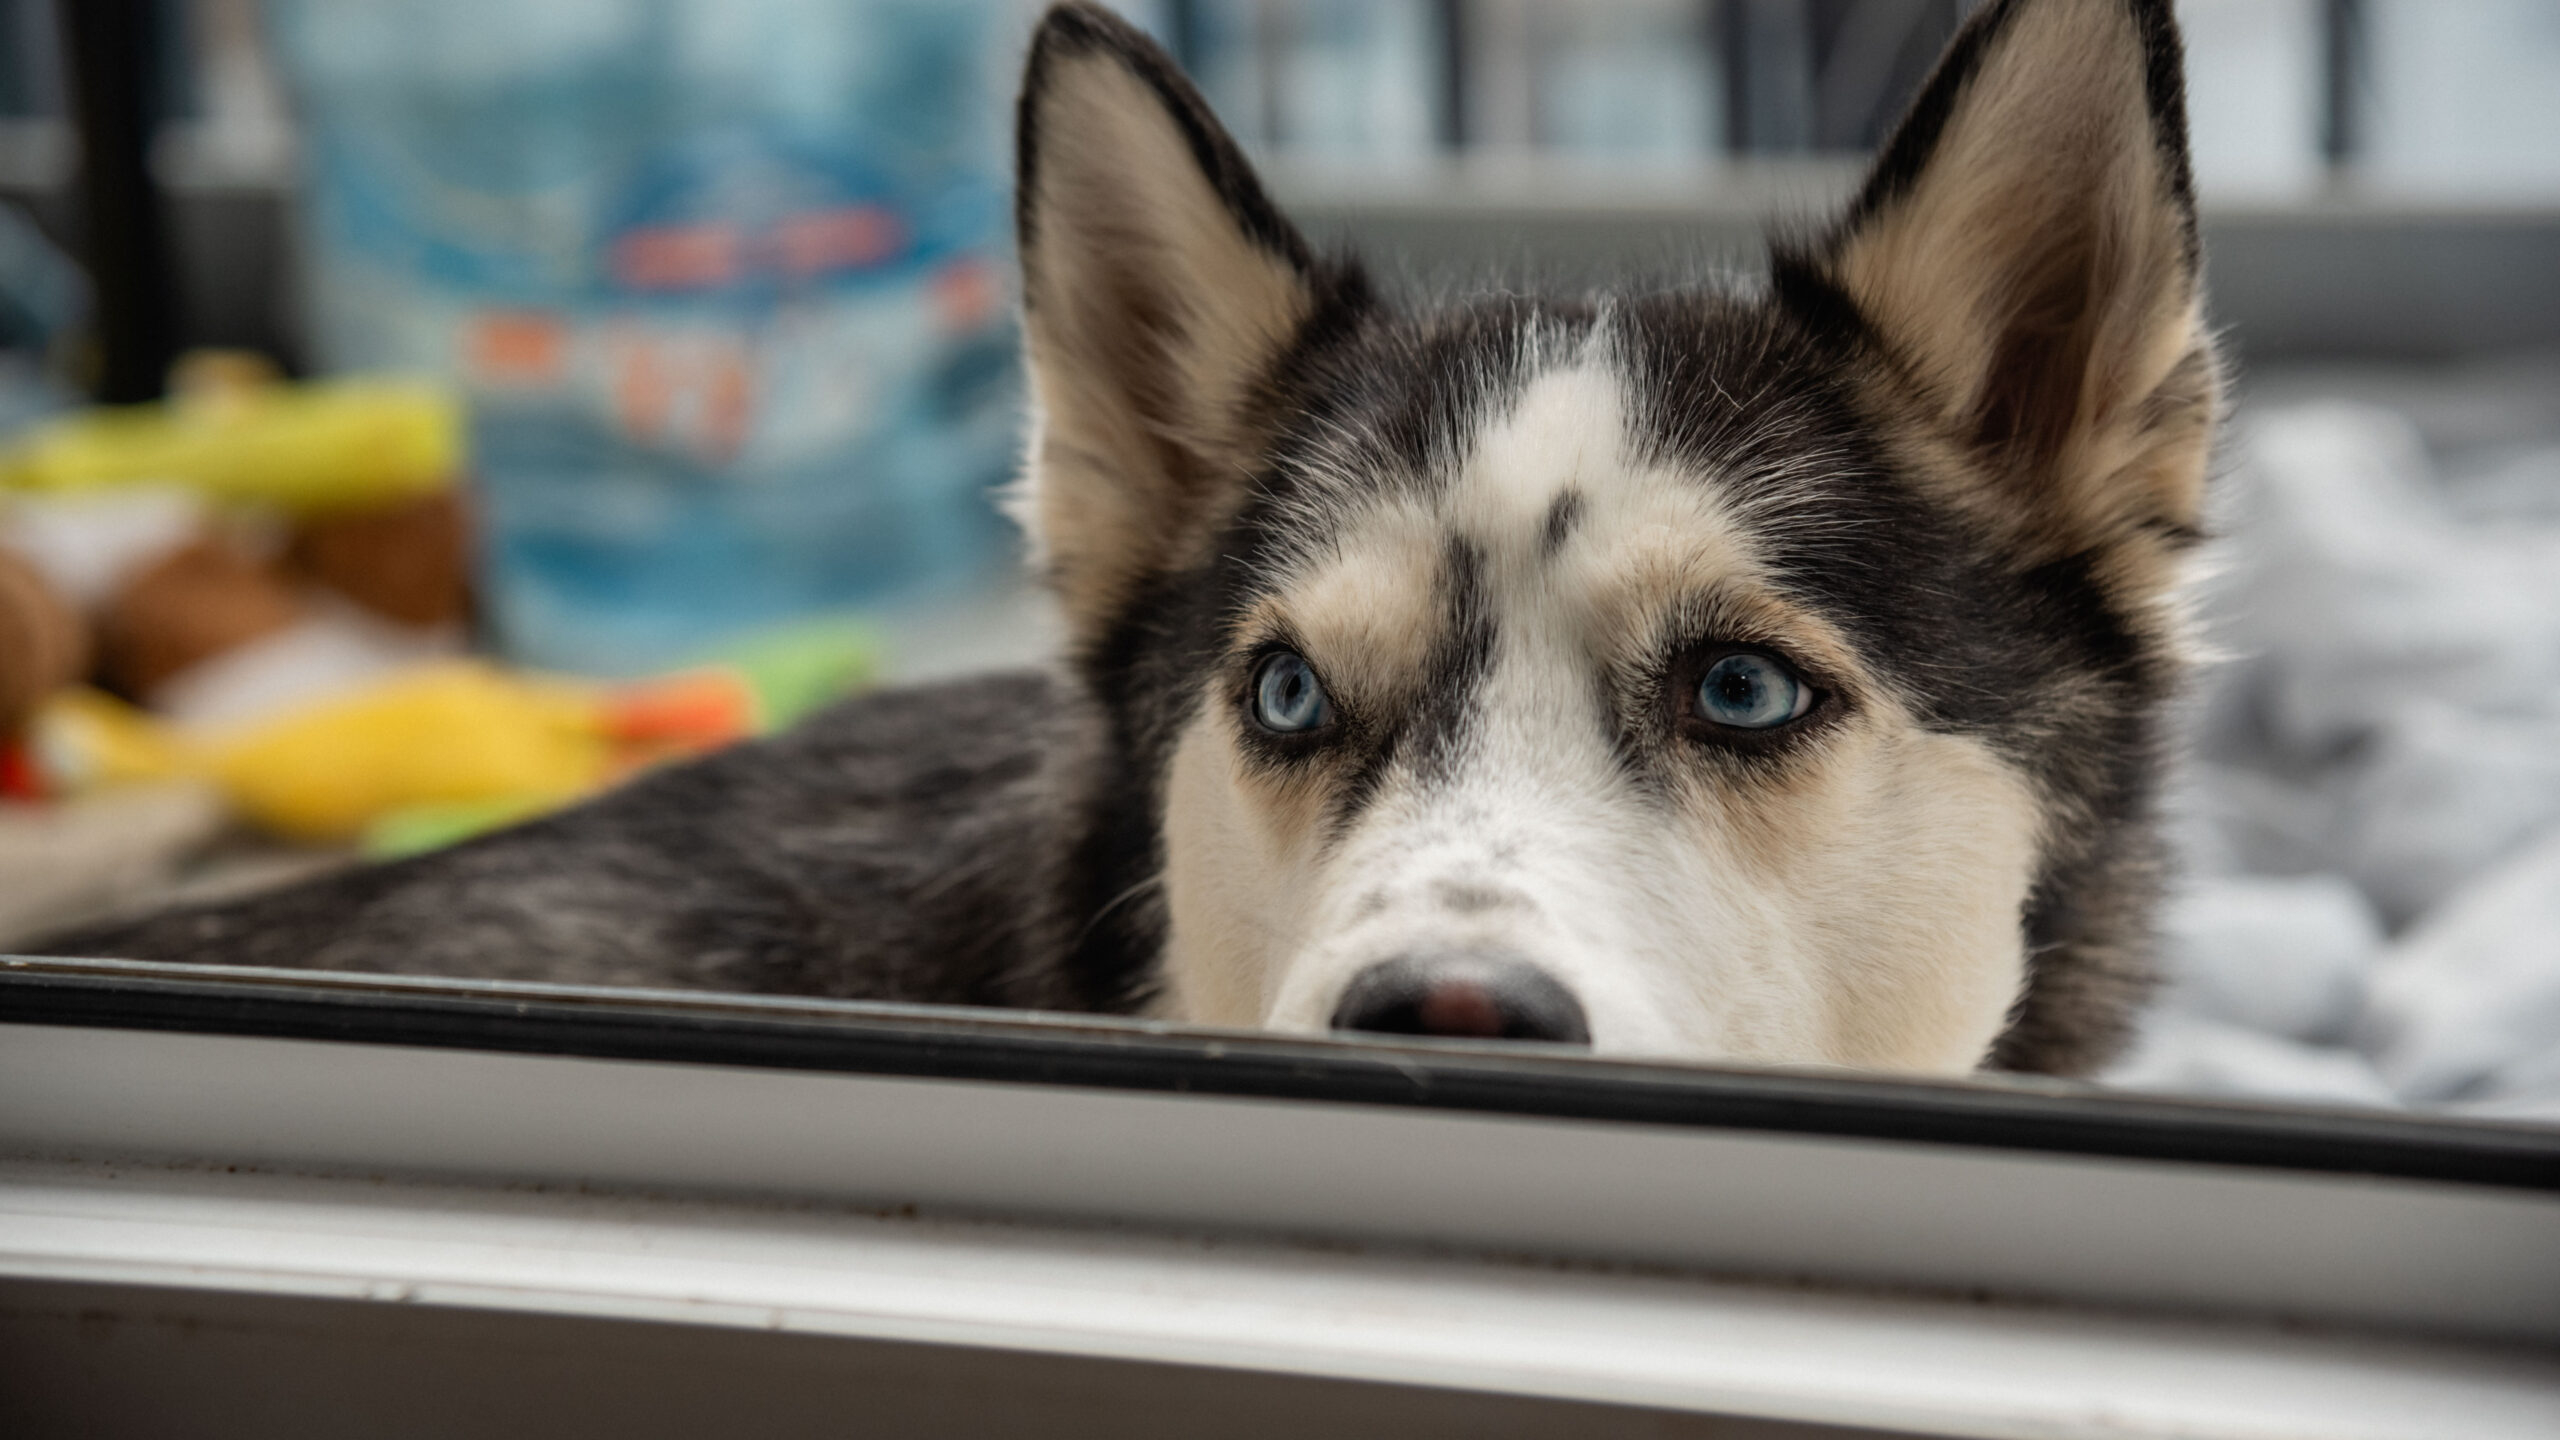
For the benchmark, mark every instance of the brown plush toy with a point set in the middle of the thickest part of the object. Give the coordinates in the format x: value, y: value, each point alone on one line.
x: 409, y: 562
x: 189, y: 605
x: 43, y: 645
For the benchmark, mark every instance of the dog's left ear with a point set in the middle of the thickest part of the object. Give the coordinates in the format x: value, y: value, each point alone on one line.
x: 2025, y: 254
x: 1160, y: 290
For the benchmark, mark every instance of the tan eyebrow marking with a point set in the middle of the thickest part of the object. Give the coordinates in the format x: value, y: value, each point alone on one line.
x: 1368, y: 612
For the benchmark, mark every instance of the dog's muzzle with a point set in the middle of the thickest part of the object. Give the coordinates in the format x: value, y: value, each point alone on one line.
x: 1466, y: 994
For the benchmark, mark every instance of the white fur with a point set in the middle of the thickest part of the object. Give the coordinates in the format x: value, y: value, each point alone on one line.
x: 1869, y: 916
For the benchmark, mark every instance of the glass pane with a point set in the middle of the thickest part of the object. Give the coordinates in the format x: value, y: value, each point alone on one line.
x: 1634, y: 80
x: 2255, y: 90
x: 703, y: 319
x: 2462, y: 97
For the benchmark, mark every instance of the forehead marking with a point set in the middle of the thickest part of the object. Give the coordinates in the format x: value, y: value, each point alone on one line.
x: 1509, y: 606
x: 1562, y: 516
x: 1521, y: 480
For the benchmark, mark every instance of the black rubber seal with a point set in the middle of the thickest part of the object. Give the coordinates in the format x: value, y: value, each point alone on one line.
x: 1020, y: 1048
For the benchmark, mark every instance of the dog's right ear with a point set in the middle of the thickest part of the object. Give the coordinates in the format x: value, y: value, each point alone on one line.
x: 1160, y: 289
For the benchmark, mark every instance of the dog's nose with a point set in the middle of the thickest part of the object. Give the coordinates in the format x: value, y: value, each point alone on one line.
x: 1472, y: 995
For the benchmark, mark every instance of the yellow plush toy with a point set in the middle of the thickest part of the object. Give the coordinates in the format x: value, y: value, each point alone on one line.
x: 441, y: 751
x: 331, y: 445
x: 446, y: 734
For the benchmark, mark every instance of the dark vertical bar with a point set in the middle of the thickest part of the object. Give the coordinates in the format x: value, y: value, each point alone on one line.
x: 1732, y: 34
x: 1452, y: 18
x: 25, y: 49
x: 2342, y: 81
x: 1273, y: 37
x: 1708, y: 17
x: 1182, y: 33
x: 114, y: 53
x: 1773, y: 45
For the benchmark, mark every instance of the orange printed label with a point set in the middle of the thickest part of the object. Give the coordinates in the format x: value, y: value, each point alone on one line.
x: 520, y: 348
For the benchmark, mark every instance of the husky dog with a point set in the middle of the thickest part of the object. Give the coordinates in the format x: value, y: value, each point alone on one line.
x: 1765, y: 673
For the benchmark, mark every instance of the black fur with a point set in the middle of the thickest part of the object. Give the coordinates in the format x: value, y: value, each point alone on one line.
x: 1562, y: 516
x: 791, y: 865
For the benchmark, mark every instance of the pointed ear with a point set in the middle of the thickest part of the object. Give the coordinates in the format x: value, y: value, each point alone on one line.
x: 1160, y: 290
x: 2025, y: 254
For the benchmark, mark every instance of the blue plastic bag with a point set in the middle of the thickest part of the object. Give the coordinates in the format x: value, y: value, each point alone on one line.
x: 723, y: 280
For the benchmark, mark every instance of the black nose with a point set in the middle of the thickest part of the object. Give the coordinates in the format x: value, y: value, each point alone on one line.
x: 1464, y: 994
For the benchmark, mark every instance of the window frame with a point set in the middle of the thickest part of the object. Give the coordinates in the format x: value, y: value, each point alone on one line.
x: 154, y: 1115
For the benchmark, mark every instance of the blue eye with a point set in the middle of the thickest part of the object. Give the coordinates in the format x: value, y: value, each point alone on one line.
x: 1287, y: 697
x: 1751, y: 692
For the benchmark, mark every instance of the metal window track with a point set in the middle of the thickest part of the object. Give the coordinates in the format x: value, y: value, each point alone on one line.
x: 728, y: 1178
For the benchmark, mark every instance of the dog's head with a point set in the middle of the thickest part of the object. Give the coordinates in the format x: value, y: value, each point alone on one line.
x: 1767, y: 674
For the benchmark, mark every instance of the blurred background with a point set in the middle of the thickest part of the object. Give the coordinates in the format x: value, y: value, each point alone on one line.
x: 417, y: 414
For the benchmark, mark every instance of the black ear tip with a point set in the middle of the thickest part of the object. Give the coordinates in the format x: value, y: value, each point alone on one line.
x: 1072, y: 16
x: 2165, y: 81
x: 1066, y: 31
x: 1077, y: 29
x: 1980, y: 44
x: 1073, y: 27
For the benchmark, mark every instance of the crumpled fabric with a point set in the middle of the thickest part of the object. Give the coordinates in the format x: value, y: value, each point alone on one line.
x: 2369, y: 825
